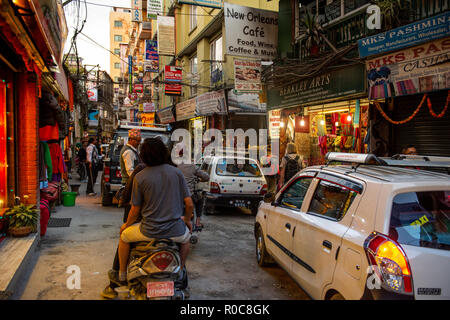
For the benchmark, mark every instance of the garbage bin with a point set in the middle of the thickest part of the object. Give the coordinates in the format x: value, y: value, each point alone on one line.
x: 69, y: 199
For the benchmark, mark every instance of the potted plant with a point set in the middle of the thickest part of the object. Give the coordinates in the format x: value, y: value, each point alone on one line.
x: 22, y: 220
x: 311, y: 29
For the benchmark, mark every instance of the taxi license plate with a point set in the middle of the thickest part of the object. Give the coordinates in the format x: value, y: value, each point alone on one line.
x: 240, y: 203
x: 160, y: 289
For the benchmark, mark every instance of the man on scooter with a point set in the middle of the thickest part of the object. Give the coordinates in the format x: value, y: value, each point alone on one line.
x: 160, y: 196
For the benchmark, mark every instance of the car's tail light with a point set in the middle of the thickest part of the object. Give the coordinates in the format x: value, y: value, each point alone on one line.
x: 214, y: 187
x: 162, y: 261
x: 389, y: 262
x: 106, y: 173
x: 263, y: 190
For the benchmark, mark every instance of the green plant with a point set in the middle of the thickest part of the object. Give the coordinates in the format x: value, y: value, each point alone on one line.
x: 22, y: 216
x: 394, y: 12
x: 311, y: 29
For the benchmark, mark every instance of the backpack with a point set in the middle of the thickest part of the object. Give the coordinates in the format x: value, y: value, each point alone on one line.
x: 292, y: 167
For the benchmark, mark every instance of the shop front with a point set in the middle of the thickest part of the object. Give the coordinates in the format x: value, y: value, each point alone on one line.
x: 328, y: 112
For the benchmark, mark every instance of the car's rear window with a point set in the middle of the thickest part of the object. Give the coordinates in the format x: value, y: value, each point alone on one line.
x: 248, y: 169
x: 422, y: 219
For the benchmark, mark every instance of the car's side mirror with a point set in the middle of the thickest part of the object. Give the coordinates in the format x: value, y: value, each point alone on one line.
x: 269, y: 197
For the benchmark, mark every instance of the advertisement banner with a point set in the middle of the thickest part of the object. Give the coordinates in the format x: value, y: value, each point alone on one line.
x: 245, y: 102
x: 130, y: 73
x: 204, y: 3
x: 138, y: 88
x: 149, y: 107
x: 154, y: 9
x: 166, y: 35
x: 151, y: 56
x: 423, y: 68
x: 251, y: 32
x: 406, y: 36
x: 274, y: 119
x: 92, y: 94
x: 136, y: 10
x: 211, y: 102
x: 247, y: 76
x: 186, y: 109
x: 166, y: 115
x: 147, y: 118
x: 173, y: 75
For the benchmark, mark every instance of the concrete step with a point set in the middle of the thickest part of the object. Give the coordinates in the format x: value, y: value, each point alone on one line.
x: 15, y: 255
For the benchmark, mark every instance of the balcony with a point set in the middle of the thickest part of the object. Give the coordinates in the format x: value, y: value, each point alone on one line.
x: 345, y: 28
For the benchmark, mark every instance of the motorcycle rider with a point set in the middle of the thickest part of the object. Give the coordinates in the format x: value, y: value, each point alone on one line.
x: 191, y: 173
x: 160, y: 196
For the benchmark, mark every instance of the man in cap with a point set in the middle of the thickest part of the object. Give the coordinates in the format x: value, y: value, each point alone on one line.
x: 129, y: 157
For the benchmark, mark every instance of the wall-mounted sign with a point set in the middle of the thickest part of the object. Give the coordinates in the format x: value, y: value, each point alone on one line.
x: 245, y: 102
x: 147, y: 118
x: 154, y: 9
x: 166, y: 35
x: 251, y: 32
x: 173, y: 75
x: 274, y: 119
x: 92, y: 94
x: 211, y: 102
x: 204, y: 3
x: 186, y: 109
x: 334, y: 84
x: 149, y: 107
x: 166, y: 115
x: 418, y: 69
x: 406, y: 36
x: 151, y: 56
x: 136, y: 10
x: 138, y: 88
x: 247, y: 76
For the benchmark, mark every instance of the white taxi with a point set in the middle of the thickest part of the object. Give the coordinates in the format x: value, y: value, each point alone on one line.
x: 377, y: 229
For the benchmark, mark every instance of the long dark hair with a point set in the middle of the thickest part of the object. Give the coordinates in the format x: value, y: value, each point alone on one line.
x: 155, y: 153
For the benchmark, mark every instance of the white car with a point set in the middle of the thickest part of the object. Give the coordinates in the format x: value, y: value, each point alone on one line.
x: 231, y: 183
x: 376, y: 230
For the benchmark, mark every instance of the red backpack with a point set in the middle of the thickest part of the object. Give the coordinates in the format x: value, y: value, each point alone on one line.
x: 51, y: 193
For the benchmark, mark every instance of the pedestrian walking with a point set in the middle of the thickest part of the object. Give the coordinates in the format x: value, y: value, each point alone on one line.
x: 92, y: 162
x: 290, y: 164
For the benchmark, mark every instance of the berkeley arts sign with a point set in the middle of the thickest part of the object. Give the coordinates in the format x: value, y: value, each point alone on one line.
x: 326, y: 86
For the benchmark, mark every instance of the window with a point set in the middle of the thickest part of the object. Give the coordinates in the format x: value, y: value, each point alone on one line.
x: 118, y: 24
x: 421, y: 219
x: 206, y: 167
x: 194, y: 72
x: 331, y: 200
x: 117, y: 65
x: 248, y: 169
x: 117, y: 38
x: 216, y: 54
x: 117, y: 51
x: 192, y: 17
x: 293, y: 197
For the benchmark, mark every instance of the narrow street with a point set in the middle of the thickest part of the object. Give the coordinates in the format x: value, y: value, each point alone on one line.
x: 221, y: 265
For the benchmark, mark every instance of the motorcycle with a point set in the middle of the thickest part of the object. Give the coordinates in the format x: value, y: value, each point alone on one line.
x: 154, y: 272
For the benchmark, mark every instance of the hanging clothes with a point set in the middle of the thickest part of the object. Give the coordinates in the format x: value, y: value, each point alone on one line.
x: 57, y: 158
x: 334, y: 119
x: 49, y: 133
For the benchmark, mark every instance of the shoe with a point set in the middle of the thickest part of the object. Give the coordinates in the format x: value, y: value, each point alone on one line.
x: 109, y: 293
x: 92, y: 194
x: 113, y: 276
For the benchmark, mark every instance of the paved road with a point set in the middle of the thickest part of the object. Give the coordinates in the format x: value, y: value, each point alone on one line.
x: 221, y: 265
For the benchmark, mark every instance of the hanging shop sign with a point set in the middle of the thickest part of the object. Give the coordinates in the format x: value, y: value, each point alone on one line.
x: 151, y: 56
x: 148, y: 107
x: 406, y: 36
x: 211, y: 102
x: 154, y: 9
x: 204, y: 3
x: 136, y: 10
x: 186, y: 109
x: 245, y: 102
x: 251, y: 32
x: 130, y: 73
x: 166, y: 115
x: 247, y: 76
x: 147, y: 118
x: 331, y: 85
x: 166, y: 35
x: 274, y: 119
x: 423, y: 68
x: 172, y: 77
x: 93, y: 118
x: 138, y: 88
x: 92, y: 94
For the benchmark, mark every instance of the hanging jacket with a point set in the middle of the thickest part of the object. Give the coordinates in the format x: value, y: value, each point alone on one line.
x: 57, y: 158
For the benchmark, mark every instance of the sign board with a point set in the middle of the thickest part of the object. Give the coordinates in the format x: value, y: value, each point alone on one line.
x: 186, y: 109
x: 166, y: 115
x: 166, y: 35
x: 92, y: 94
x: 406, y: 36
x: 245, y: 102
x: 423, y: 68
x: 334, y: 84
x: 247, y: 76
x: 204, y: 3
x: 138, y: 88
x: 251, y: 32
x: 274, y: 119
x: 173, y: 74
x: 149, y: 107
x: 147, y: 118
x: 211, y: 102
x: 136, y: 10
x: 154, y: 9
x: 130, y: 73
x: 151, y: 56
